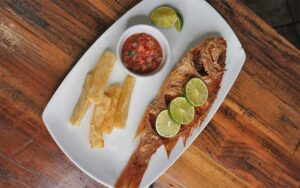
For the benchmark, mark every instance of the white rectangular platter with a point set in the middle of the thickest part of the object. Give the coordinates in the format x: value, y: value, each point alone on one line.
x: 105, y: 165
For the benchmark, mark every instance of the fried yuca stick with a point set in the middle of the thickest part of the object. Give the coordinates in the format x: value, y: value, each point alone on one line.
x: 83, y: 103
x: 123, y: 103
x: 101, y: 75
x: 98, y: 116
x: 113, y: 92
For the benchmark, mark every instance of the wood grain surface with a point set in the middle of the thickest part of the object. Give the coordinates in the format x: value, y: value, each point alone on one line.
x: 252, y: 141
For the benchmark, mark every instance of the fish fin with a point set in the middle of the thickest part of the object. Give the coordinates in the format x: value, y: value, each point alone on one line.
x: 169, y: 146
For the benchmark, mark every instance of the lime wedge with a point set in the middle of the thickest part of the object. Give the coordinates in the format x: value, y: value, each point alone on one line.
x: 196, y: 92
x: 179, y: 23
x: 164, y: 16
x: 165, y: 126
x: 181, y: 110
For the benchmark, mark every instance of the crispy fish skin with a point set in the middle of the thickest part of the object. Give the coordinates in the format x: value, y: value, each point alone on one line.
x: 207, y: 62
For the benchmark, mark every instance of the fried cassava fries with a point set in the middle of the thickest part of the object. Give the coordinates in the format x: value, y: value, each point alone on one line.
x: 98, y: 116
x: 100, y: 76
x: 123, y: 103
x: 83, y: 103
x: 113, y: 92
x: 111, y: 108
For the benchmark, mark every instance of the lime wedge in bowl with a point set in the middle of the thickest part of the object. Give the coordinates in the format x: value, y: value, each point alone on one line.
x: 165, y: 126
x: 196, y: 92
x: 164, y: 16
x: 181, y: 110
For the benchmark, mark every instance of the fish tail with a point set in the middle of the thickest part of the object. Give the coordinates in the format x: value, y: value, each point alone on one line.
x: 134, y: 171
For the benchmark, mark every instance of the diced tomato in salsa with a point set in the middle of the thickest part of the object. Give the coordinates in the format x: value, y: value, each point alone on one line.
x: 141, y: 53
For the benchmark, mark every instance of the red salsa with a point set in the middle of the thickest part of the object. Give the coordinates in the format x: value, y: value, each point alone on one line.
x: 141, y: 53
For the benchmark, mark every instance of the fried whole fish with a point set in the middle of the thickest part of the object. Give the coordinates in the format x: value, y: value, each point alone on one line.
x: 207, y: 62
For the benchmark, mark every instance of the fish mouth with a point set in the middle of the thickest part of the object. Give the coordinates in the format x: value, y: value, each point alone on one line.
x: 197, y: 64
x: 210, y: 60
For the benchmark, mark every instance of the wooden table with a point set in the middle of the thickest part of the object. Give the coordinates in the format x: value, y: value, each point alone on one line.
x: 252, y: 141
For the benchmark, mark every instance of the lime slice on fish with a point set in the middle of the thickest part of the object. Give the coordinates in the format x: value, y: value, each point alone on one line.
x: 165, y: 126
x: 196, y: 92
x: 164, y: 16
x: 181, y: 110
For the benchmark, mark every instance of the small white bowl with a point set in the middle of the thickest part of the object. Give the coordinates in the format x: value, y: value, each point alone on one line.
x: 150, y: 31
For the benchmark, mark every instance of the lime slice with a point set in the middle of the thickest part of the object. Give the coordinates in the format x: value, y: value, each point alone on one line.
x: 179, y: 23
x: 165, y: 126
x: 196, y: 92
x: 164, y: 16
x: 181, y: 110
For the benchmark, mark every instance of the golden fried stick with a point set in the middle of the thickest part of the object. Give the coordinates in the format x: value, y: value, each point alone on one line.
x: 98, y: 116
x: 123, y: 103
x: 101, y: 75
x: 83, y: 103
x: 113, y: 92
